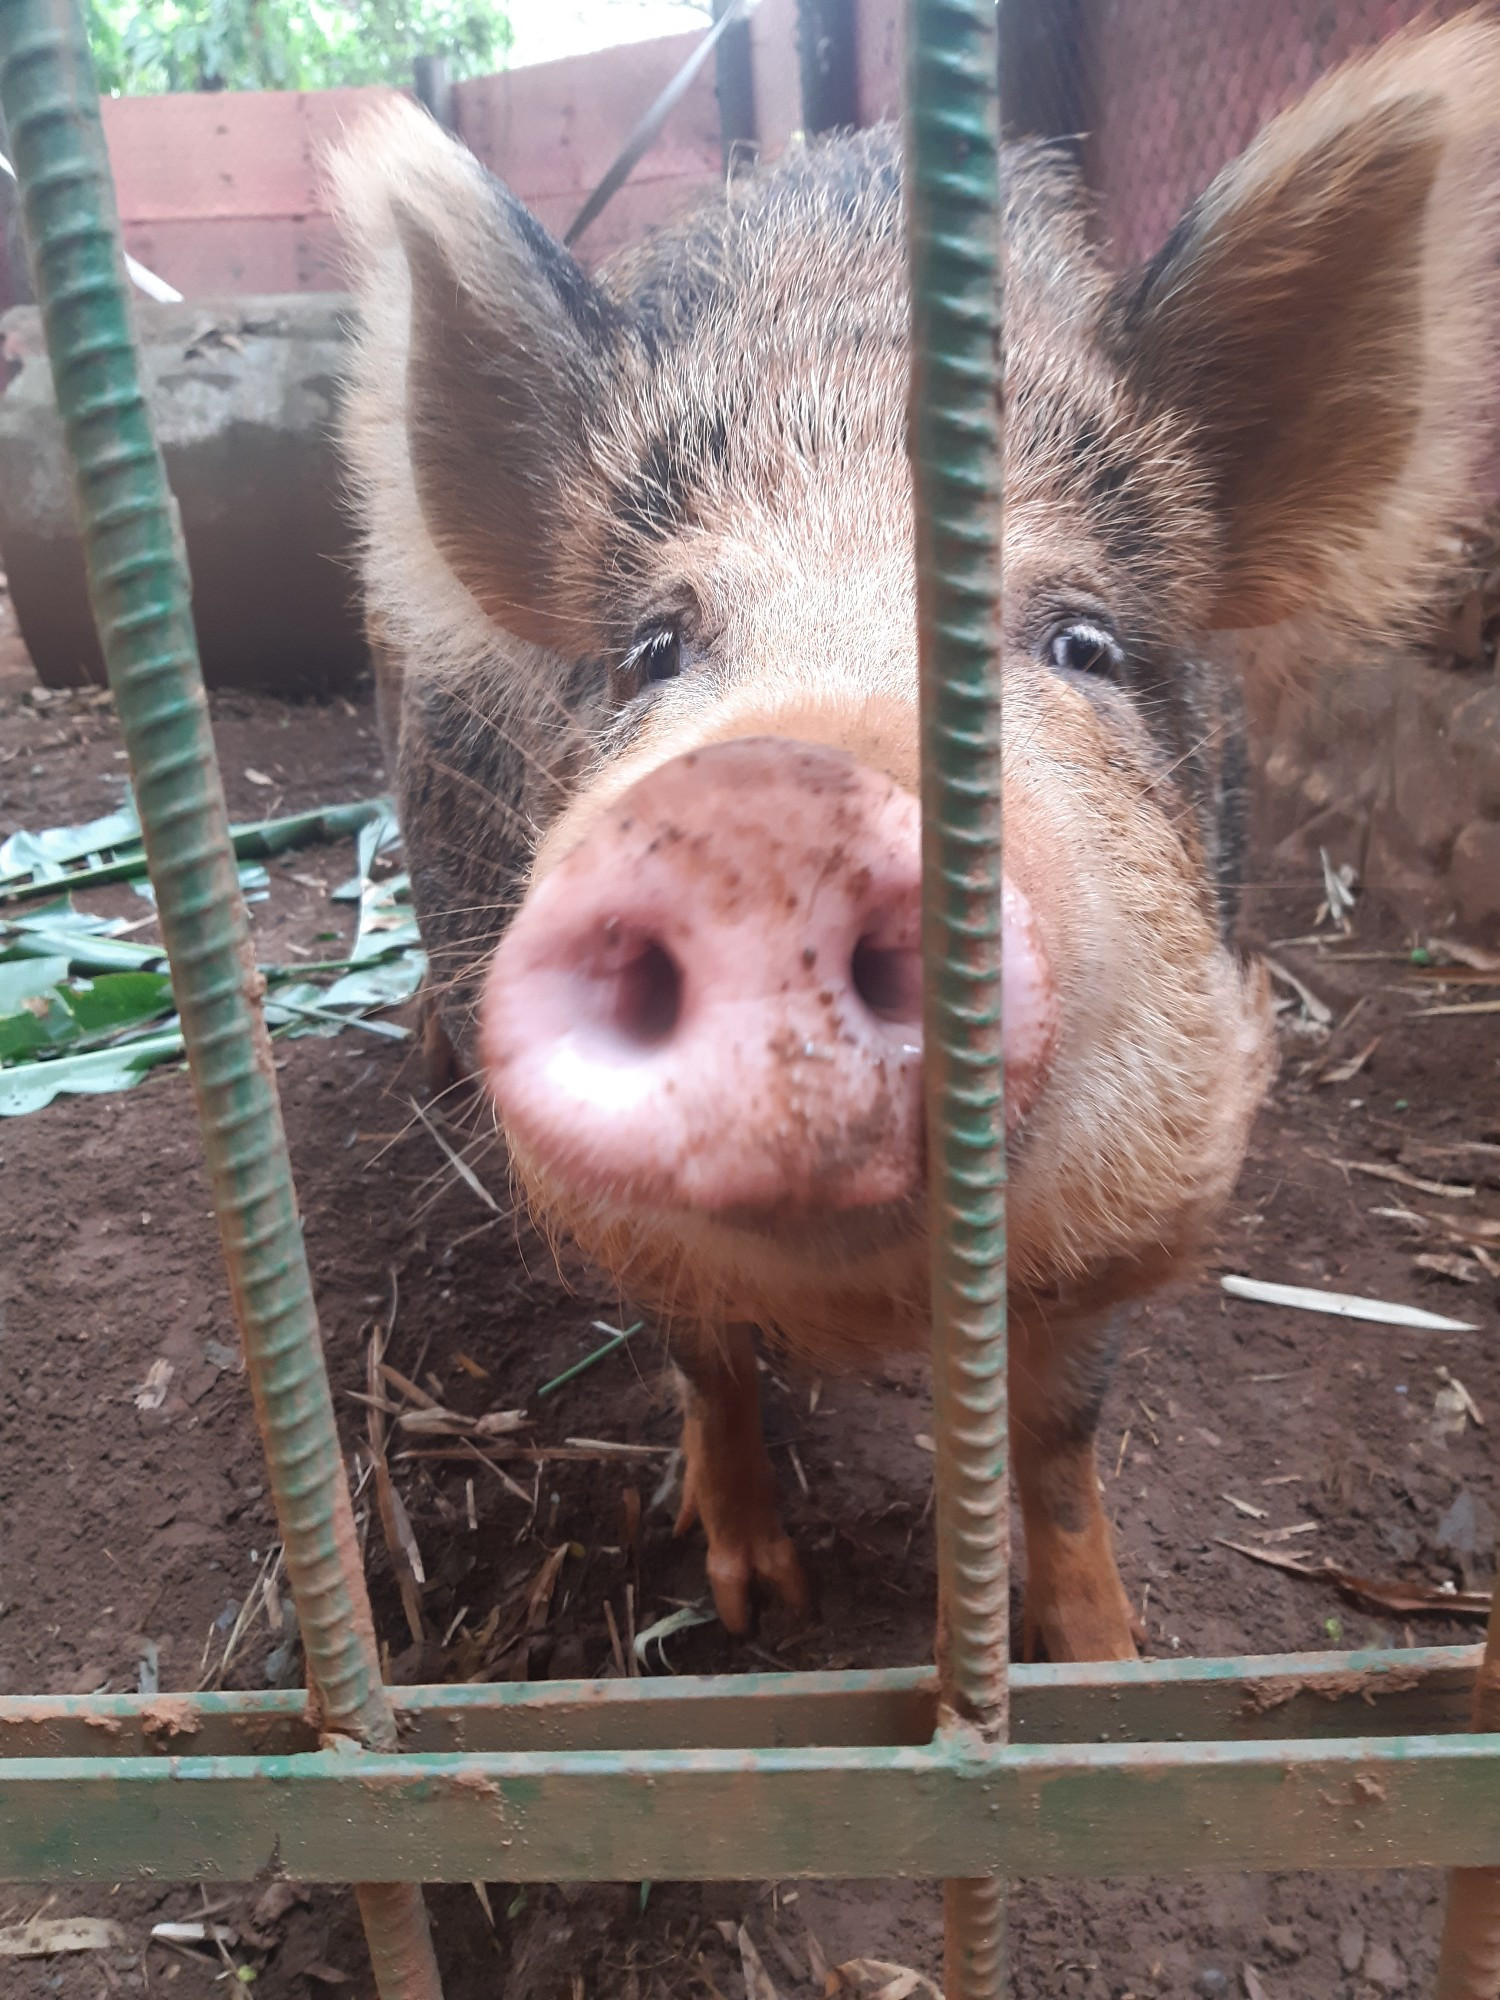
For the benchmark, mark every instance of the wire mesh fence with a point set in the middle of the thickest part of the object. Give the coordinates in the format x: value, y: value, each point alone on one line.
x: 1155, y: 96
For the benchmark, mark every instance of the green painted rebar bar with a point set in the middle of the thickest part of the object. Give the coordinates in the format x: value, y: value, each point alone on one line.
x: 953, y: 183
x: 138, y: 585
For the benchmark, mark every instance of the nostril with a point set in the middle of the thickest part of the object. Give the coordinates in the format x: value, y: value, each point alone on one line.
x: 646, y: 1001
x: 888, y: 978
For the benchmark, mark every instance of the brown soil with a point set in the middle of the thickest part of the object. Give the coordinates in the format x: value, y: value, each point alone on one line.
x: 124, y: 1527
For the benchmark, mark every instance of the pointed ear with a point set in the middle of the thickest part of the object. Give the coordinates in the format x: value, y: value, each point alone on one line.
x: 1322, y: 324
x: 495, y: 348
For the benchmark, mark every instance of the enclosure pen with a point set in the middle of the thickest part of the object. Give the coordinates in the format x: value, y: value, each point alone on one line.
x: 970, y: 1773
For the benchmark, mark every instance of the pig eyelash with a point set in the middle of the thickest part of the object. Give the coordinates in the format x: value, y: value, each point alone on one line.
x: 655, y: 656
x: 1084, y: 647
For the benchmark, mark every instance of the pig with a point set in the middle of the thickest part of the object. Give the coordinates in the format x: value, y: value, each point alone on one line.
x: 639, y: 576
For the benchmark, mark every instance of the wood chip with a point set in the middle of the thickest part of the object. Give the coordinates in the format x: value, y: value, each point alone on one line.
x: 412, y: 1391
x: 1463, y: 1396
x: 758, y: 1983
x: 435, y: 1421
x: 195, y: 1933
x: 604, y: 1448
x: 614, y: 1639
x: 1458, y: 953
x: 1459, y: 1007
x: 1254, y: 1985
x: 1318, y: 1010
x: 1383, y: 1170
x: 393, y: 1516
x: 880, y: 1979
x: 1448, y: 1264
x: 153, y: 1391
x: 1270, y: 1535
x: 461, y: 1167
x: 1341, y: 1305
x: 1393, y: 1595
x: 539, y: 1597
x: 50, y: 1937
x: 1246, y: 1507
x: 1345, y: 1072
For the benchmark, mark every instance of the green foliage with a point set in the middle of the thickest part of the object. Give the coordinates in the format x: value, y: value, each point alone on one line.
x: 145, y: 46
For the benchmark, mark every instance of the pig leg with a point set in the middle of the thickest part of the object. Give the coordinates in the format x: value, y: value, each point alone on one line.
x: 727, y: 1481
x: 441, y: 1068
x: 1076, y: 1607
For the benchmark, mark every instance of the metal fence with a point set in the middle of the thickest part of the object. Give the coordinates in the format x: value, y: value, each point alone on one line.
x: 1331, y: 1760
x: 1156, y: 96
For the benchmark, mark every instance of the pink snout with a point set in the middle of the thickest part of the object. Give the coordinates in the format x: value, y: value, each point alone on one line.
x: 714, y: 1001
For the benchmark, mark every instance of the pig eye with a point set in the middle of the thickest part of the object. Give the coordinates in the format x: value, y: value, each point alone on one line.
x: 656, y: 656
x: 1085, y: 648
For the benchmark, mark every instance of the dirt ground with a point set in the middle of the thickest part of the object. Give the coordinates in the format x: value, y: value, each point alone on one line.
x: 131, y: 1534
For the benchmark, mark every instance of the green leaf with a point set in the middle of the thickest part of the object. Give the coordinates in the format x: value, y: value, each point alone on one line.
x: 154, y: 45
x: 388, y: 983
x: 30, y: 1086
x: 253, y: 881
x: 44, y: 857
x: 22, y: 1036
x: 386, y: 922
x: 27, y: 979
x: 87, y: 940
x: 32, y: 863
x: 117, y: 1000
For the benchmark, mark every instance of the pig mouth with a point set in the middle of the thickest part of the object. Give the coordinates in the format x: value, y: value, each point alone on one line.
x: 842, y: 1235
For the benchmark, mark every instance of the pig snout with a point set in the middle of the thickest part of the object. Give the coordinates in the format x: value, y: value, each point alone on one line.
x: 713, y: 1001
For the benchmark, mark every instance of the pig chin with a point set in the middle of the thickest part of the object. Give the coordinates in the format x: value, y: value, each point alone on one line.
x: 828, y: 1282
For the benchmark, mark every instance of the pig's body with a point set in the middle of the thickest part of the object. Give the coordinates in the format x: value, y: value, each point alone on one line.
x: 639, y: 571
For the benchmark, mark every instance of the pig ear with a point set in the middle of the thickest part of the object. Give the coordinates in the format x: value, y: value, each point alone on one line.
x: 1322, y: 324
x: 486, y: 348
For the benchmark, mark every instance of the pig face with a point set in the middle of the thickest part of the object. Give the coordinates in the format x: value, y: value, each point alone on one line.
x: 641, y: 547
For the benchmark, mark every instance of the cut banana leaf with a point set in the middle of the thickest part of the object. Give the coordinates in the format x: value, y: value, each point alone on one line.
x: 109, y: 849
x: 29, y: 1086
x: 84, y: 1008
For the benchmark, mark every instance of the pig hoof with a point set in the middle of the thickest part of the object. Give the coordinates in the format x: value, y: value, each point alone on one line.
x: 737, y: 1558
x: 1101, y: 1630
x: 732, y: 1568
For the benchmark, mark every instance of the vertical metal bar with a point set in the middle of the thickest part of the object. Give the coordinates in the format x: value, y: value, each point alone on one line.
x: 953, y: 191
x: 827, y: 64
x: 734, y: 86
x: 138, y: 586
x: 1469, y: 1963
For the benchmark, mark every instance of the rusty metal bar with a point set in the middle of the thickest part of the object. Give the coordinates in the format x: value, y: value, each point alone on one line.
x: 1274, y: 1698
x: 953, y: 1806
x: 953, y: 235
x: 138, y: 587
x: 1469, y: 1963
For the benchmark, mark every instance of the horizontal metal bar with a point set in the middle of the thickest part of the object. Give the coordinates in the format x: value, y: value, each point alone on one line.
x: 952, y: 1809
x: 1419, y: 1691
